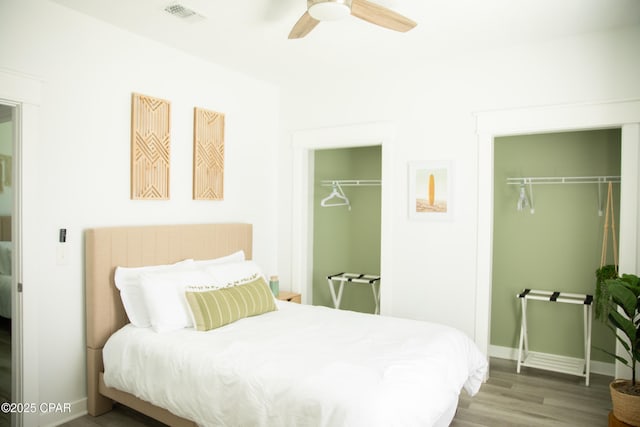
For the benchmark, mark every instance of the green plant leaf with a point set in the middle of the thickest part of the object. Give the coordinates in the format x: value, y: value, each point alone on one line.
x: 623, y: 296
x: 632, y: 280
x: 615, y: 356
x: 625, y: 325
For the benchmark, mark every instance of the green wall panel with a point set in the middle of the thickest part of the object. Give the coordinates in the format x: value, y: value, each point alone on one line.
x: 558, y: 247
x: 347, y: 240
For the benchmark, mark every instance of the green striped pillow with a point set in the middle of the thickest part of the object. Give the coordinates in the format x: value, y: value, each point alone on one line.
x: 212, y: 308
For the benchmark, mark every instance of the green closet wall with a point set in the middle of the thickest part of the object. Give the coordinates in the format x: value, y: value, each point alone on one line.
x: 557, y: 248
x: 347, y: 240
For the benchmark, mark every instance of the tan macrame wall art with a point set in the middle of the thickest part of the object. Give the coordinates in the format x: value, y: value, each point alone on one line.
x: 208, y: 155
x: 150, y: 147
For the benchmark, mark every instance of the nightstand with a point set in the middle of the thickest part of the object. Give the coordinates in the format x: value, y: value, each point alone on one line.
x: 290, y: 296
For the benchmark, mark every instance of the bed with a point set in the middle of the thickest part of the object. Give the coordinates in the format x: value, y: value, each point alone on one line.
x: 293, y: 365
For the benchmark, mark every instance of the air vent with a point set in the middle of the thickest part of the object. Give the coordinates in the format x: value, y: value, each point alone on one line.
x: 183, y: 12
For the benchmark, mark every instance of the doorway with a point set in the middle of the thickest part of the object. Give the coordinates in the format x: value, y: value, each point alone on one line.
x: 22, y: 93
x: 549, y: 237
x: 304, y: 145
x: 346, y: 233
x: 622, y: 114
x: 7, y: 138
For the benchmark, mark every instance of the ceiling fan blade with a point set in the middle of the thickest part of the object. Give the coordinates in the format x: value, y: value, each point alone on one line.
x: 379, y: 15
x: 303, y: 27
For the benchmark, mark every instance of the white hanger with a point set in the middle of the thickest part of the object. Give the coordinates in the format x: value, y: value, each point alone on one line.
x: 337, y: 193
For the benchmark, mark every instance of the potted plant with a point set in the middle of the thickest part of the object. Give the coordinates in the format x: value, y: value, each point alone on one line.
x: 620, y: 303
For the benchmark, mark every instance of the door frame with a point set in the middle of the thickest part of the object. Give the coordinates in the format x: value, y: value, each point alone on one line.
x: 575, y: 117
x: 305, y: 142
x: 24, y: 93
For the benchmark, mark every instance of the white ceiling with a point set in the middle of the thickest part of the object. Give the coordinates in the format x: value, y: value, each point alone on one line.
x: 251, y: 35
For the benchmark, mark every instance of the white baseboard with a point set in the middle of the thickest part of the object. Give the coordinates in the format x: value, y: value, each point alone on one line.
x: 59, y: 413
x: 508, y: 353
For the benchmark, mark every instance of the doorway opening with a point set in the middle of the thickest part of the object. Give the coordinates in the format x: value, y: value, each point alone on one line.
x: 305, y: 143
x: 346, y: 225
x: 490, y: 125
x: 7, y: 292
x: 551, y: 239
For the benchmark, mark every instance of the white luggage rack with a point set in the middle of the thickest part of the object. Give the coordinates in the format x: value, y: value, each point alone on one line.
x: 549, y: 362
x: 354, y: 278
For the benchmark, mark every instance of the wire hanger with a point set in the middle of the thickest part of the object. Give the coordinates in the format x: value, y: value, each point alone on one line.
x: 338, y: 194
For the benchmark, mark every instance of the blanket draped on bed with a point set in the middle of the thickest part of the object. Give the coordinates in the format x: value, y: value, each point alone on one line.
x: 299, y: 366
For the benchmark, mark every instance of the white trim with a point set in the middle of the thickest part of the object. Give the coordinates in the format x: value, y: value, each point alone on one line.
x: 611, y: 114
x: 508, y: 353
x: 23, y: 92
x: 304, y: 143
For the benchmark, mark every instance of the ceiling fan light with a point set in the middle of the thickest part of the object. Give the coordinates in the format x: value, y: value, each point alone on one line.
x: 329, y: 11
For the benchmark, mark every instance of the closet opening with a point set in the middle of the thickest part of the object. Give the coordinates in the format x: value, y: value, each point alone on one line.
x: 306, y: 198
x: 624, y: 115
x: 347, y: 203
x: 549, y: 213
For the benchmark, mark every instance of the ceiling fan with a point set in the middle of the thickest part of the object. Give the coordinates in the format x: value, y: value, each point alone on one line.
x: 327, y: 10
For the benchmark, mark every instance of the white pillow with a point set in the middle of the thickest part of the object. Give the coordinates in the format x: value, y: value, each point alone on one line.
x: 235, y: 273
x: 127, y: 281
x: 234, y: 257
x: 164, y: 296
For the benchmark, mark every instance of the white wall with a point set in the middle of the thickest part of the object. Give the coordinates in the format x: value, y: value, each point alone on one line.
x: 432, y: 106
x: 89, y: 70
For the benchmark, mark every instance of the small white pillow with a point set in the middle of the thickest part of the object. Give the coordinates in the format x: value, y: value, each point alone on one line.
x: 164, y: 296
x: 235, y: 273
x: 234, y: 257
x: 127, y: 281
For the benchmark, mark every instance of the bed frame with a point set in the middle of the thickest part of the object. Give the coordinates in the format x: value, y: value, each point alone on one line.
x: 106, y: 248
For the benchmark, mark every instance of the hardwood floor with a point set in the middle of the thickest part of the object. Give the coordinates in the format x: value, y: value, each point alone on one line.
x: 532, y: 398
x: 535, y: 398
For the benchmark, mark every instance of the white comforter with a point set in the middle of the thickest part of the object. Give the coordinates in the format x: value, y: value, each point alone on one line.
x: 299, y: 366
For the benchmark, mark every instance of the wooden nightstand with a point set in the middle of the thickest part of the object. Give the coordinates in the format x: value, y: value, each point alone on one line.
x: 290, y: 296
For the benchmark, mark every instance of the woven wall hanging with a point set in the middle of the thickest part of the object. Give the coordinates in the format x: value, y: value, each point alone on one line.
x: 150, y: 148
x: 208, y: 155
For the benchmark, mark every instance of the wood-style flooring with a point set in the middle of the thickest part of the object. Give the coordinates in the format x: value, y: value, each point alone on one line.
x: 535, y: 398
x: 532, y: 398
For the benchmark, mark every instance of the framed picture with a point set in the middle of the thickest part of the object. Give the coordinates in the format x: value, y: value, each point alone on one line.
x: 430, y: 190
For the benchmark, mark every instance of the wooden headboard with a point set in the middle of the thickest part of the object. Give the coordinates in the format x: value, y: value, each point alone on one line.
x: 107, y: 248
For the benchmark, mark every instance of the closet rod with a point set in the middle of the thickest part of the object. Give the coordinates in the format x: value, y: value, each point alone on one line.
x: 563, y: 180
x: 350, y: 182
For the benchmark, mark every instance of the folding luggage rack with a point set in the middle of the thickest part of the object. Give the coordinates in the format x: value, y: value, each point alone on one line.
x: 550, y: 362
x: 343, y: 278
